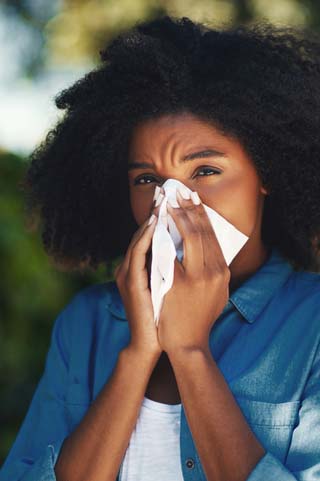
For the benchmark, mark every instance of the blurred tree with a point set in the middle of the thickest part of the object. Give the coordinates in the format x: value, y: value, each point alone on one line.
x: 27, y: 20
x: 73, y: 31
x: 32, y: 292
x: 312, y: 8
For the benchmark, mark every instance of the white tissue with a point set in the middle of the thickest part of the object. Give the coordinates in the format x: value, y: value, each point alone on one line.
x: 167, y: 244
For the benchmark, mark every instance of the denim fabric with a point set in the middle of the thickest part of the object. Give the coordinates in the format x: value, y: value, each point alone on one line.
x: 265, y: 342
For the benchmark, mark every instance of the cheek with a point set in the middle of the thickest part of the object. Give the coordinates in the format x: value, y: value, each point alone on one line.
x: 237, y: 200
x: 141, y: 204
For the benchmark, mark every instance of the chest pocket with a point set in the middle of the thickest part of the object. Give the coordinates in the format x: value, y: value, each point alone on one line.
x: 272, y: 423
x: 77, y: 402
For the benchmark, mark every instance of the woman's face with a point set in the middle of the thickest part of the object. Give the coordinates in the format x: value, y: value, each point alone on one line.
x: 219, y: 170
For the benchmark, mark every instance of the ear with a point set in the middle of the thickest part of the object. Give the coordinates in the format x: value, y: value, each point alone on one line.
x: 263, y: 190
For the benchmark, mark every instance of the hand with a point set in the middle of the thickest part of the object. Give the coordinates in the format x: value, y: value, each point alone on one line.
x: 132, y: 279
x: 200, y: 288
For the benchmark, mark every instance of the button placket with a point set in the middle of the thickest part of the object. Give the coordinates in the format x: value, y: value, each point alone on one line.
x: 190, y: 463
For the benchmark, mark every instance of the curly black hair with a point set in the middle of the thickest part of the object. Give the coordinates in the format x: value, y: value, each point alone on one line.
x: 259, y: 84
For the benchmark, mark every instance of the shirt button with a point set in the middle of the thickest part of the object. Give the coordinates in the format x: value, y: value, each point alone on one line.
x: 190, y: 463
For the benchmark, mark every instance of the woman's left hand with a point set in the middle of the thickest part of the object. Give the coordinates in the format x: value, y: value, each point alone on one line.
x: 200, y: 289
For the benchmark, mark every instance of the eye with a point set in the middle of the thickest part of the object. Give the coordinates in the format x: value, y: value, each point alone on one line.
x: 203, y: 169
x: 136, y: 181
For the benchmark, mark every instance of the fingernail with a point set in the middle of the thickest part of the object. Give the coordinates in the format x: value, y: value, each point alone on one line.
x: 159, y: 199
x: 195, y: 198
x: 184, y: 193
x: 156, y: 193
x: 151, y: 219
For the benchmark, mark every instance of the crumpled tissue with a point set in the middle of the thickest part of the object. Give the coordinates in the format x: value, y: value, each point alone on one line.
x: 167, y: 244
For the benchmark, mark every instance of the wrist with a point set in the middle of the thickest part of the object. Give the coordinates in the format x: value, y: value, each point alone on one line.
x: 141, y: 352
x: 182, y: 351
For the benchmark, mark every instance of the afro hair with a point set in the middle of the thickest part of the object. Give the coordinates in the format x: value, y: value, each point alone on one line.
x: 257, y: 83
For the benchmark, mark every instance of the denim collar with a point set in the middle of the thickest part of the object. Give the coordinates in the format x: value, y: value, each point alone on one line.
x: 253, y: 295
x: 250, y: 298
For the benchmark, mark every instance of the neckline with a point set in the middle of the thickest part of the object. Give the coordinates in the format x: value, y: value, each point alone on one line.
x: 158, y: 406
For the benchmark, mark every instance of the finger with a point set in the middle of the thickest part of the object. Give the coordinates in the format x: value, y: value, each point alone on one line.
x: 154, y: 210
x: 213, y: 255
x: 156, y: 204
x: 193, y: 256
x: 137, y: 261
x: 212, y: 252
x: 136, y: 236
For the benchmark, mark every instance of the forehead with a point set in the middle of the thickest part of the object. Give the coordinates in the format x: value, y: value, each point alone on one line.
x: 178, y: 131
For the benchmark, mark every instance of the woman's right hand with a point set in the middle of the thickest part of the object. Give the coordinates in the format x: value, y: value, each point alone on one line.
x: 132, y: 279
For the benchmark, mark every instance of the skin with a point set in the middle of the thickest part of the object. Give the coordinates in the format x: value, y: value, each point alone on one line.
x: 236, y: 192
x: 228, y: 448
x: 202, y: 280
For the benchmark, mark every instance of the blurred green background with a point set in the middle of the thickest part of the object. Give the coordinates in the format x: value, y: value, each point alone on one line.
x: 45, y: 46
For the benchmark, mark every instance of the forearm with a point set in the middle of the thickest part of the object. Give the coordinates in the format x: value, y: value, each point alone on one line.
x: 95, y: 449
x: 227, y: 447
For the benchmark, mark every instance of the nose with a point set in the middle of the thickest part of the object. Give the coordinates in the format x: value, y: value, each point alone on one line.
x: 171, y: 184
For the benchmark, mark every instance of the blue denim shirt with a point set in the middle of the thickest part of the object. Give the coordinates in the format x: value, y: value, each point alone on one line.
x: 265, y: 342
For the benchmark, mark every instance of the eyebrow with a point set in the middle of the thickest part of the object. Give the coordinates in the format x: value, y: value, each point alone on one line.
x: 194, y: 155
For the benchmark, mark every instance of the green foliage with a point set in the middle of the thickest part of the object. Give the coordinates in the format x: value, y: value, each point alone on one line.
x: 33, y: 292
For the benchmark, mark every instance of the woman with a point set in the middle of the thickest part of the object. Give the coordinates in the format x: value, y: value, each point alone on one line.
x: 228, y: 386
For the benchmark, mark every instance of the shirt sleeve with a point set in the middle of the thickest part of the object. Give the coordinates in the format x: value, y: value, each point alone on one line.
x: 35, y: 450
x: 303, y: 459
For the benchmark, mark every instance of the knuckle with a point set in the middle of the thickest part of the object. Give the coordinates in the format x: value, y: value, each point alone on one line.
x: 209, y: 233
x: 227, y: 274
x: 208, y: 273
x: 191, y: 206
x: 198, y: 278
x: 196, y: 237
x: 217, y: 273
x: 178, y: 211
x: 202, y: 213
x: 222, y: 272
x: 194, y: 233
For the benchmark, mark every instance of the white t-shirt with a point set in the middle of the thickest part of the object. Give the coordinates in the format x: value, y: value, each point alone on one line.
x: 153, y: 453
